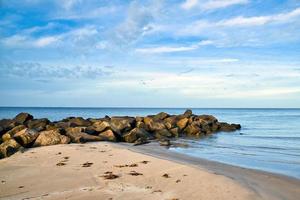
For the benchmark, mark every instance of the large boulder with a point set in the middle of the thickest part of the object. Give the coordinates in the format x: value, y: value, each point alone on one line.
x: 21, y: 118
x: 170, y: 122
x: 207, y: 118
x: 78, y: 121
x: 122, y: 124
x: 192, y: 130
x: 188, y: 113
x: 134, y: 134
x: 101, y: 126
x: 8, y: 148
x: 182, y: 123
x: 108, y: 135
x: 160, y: 116
x: 26, y: 137
x: 153, y: 125
x: 9, y: 134
x: 78, y: 135
x: 6, y: 125
x: 38, y: 124
x: 225, y: 127
x: 51, y: 137
x: 163, y: 133
x: 175, y: 131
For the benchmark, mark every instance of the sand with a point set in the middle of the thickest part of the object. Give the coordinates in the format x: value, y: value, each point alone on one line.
x: 76, y: 171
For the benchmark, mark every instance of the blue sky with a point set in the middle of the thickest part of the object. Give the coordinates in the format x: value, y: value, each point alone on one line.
x: 159, y: 53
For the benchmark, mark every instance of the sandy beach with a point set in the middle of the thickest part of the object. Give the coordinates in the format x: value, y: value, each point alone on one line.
x: 79, y: 171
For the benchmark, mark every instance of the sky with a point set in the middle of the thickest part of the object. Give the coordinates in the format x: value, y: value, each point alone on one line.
x: 151, y: 53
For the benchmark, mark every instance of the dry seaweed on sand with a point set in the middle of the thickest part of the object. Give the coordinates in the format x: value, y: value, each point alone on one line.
x: 166, y: 176
x: 87, y: 164
x: 110, y: 175
x: 134, y: 173
x: 60, y: 164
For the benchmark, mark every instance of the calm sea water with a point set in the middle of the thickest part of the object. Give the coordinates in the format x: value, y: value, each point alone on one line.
x: 269, y: 139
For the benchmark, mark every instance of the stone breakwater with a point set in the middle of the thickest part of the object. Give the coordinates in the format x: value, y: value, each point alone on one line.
x: 26, y: 132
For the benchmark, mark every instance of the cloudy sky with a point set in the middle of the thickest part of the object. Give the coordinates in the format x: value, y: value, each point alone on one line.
x: 150, y: 53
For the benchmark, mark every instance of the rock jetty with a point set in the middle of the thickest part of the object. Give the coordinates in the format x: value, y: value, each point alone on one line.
x: 24, y: 131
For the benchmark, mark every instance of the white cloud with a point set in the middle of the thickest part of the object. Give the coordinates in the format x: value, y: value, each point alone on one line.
x: 216, y: 4
x: 211, y: 4
x: 169, y: 49
x: 188, y: 4
x: 137, y: 23
x: 260, y: 20
x: 45, y: 41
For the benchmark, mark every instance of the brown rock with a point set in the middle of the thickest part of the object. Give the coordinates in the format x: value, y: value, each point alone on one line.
x: 38, y: 124
x: 182, y: 123
x: 21, y: 118
x: 141, y: 141
x: 51, y: 137
x: 77, y: 135
x: 101, y: 126
x: 228, y: 127
x: 26, y: 137
x: 175, y: 132
x: 188, y: 113
x: 8, y: 148
x: 79, y: 121
x: 192, y: 130
x: 122, y: 124
x: 134, y: 134
x: 170, y: 122
x: 164, y: 142
x: 160, y: 116
x: 108, y: 135
x: 10, y: 134
x: 163, y: 133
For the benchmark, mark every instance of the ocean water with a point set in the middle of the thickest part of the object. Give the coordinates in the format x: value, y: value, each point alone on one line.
x: 269, y: 139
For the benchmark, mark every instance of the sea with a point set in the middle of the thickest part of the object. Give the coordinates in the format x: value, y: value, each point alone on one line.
x: 269, y: 139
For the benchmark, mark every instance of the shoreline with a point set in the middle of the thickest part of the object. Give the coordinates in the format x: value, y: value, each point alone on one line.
x: 263, y: 183
x: 40, y: 177
x: 78, y: 171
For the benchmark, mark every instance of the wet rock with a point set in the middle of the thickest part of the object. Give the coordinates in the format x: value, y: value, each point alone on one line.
x: 51, y: 137
x: 225, y: 127
x: 8, y: 148
x: 163, y: 133
x: 141, y: 141
x: 26, y: 137
x: 21, y: 118
x: 164, y: 142
x: 192, y: 130
x: 208, y: 118
x: 134, y: 134
x: 175, y: 132
x: 10, y: 134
